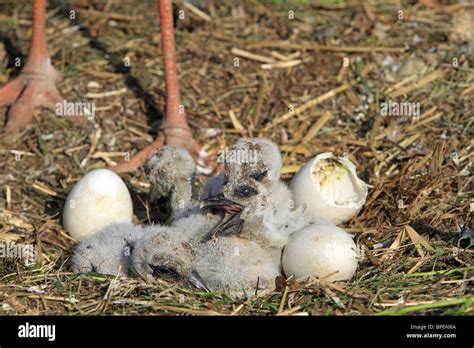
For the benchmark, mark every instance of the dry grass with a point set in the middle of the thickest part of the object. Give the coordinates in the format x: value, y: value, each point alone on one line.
x: 418, y: 167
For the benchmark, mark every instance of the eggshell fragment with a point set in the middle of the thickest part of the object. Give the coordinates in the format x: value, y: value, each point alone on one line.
x: 99, y: 198
x: 330, y: 188
x: 320, y: 250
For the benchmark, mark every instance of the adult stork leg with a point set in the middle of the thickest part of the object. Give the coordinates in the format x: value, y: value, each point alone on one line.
x: 36, y: 84
x: 175, y: 130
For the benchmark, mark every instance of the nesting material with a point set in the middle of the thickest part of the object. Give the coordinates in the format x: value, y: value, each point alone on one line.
x: 98, y: 199
x: 320, y: 250
x: 329, y: 188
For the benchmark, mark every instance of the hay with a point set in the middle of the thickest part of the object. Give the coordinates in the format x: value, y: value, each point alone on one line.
x: 418, y: 198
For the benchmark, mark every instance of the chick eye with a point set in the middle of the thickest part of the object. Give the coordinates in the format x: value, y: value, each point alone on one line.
x: 163, y: 271
x: 245, y: 191
x: 257, y: 175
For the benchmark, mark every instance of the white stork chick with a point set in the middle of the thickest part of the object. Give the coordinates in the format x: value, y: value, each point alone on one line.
x: 108, y: 251
x: 182, y: 252
x: 237, y: 266
x: 269, y: 217
x: 171, y: 171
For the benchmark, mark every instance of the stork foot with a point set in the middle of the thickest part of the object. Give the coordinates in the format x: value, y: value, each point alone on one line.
x: 30, y: 90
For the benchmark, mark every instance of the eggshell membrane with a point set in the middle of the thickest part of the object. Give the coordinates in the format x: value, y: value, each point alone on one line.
x: 319, y: 250
x: 99, y: 198
x: 317, y: 197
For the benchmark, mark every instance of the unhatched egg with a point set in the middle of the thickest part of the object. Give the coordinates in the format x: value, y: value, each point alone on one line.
x: 99, y: 198
x: 320, y: 250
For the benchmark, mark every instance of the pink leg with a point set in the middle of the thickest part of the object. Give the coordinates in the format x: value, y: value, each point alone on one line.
x: 36, y: 84
x: 176, y: 130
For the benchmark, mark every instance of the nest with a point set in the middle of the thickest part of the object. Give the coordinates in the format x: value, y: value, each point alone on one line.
x: 310, y: 77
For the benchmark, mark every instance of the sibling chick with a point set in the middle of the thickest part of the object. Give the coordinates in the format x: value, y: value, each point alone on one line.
x: 171, y: 171
x: 250, y: 157
x: 231, y: 264
x: 169, y: 253
x: 269, y: 217
x: 257, y: 158
x: 108, y: 251
x: 237, y: 266
x: 202, y: 250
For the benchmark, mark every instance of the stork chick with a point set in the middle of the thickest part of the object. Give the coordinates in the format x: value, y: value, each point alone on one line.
x: 171, y: 171
x: 168, y: 254
x: 108, y: 251
x: 231, y: 264
x: 196, y: 243
x: 269, y: 217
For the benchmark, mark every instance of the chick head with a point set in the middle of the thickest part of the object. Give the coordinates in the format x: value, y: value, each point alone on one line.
x: 166, y: 255
x: 170, y: 170
x: 255, y: 158
x: 252, y: 195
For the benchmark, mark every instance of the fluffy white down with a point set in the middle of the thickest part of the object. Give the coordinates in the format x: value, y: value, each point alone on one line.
x: 320, y: 250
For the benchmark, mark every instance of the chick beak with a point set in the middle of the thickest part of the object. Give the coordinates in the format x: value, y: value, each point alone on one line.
x: 231, y: 222
x: 196, y: 281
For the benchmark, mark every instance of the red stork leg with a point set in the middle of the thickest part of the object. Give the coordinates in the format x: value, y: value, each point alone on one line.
x: 175, y: 130
x: 36, y: 84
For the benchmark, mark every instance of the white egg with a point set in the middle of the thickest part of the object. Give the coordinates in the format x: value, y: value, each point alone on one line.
x: 99, y: 198
x: 330, y: 188
x: 320, y: 250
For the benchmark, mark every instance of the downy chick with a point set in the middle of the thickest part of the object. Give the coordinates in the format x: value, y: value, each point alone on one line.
x: 231, y: 264
x: 269, y: 217
x: 237, y: 266
x: 171, y: 171
x: 250, y: 157
x: 108, y: 251
x: 168, y: 254
x: 189, y: 249
x: 257, y: 158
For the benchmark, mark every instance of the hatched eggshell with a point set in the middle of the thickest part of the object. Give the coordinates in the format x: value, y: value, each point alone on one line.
x: 320, y: 250
x: 330, y: 188
x: 99, y: 198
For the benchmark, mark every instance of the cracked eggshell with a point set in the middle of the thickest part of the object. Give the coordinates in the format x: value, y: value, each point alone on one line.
x: 319, y: 250
x: 330, y: 188
x: 99, y: 198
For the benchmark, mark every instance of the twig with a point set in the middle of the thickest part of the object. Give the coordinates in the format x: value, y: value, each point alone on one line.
x: 250, y: 55
x: 197, y: 11
x: 284, y: 44
x: 92, y: 95
x: 416, y: 308
x: 418, y: 84
x: 287, y: 64
x: 313, y: 102
x: 316, y: 127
